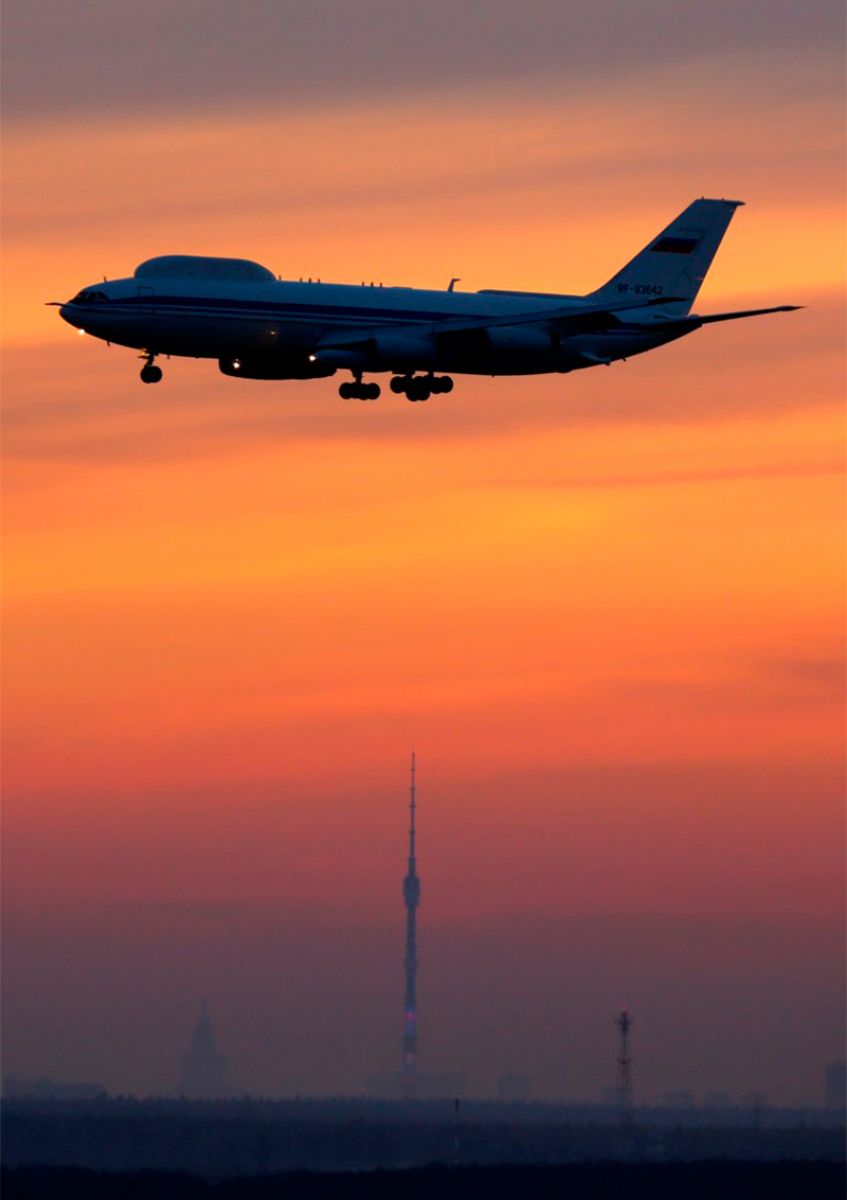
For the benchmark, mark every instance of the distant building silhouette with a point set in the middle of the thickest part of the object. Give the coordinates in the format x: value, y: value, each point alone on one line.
x: 679, y: 1099
x: 204, y: 1073
x: 755, y: 1103
x: 717, y: 1100
x: 835, y: 1094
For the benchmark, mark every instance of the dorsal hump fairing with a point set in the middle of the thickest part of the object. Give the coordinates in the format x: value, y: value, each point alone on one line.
x: 195, y: 266
x: 674, y: 263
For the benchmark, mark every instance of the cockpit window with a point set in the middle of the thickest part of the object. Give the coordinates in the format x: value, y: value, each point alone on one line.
x: 88, y: 297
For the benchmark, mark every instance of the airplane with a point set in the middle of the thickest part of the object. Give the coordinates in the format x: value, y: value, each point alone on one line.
x: 259, y: 326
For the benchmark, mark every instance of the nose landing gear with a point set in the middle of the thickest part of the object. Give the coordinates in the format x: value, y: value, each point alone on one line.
x: 150, y: 373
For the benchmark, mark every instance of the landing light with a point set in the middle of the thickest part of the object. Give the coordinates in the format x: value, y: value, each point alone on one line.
x: 81, y: 332
x: 313, y: 358
x: 236, y: 364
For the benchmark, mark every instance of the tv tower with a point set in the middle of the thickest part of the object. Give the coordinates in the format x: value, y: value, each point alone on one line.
x: 411, y: 898
x: 623, y: 1022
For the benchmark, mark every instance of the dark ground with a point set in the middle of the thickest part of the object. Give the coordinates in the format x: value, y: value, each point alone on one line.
x: 219, y: 1140
x: 582, y: 1181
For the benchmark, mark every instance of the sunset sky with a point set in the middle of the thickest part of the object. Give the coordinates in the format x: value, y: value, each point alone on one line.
x: 606, y: 609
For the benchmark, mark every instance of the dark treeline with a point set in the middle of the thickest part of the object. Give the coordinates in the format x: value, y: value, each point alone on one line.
x: 588, y: 1181
x: 247, y: 1138
x: 524, y: 1112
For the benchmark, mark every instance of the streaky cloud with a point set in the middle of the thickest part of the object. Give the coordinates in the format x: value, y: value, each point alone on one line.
x: 161, y: 55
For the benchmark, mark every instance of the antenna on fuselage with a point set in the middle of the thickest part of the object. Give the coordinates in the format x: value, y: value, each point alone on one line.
x: 453, y: 283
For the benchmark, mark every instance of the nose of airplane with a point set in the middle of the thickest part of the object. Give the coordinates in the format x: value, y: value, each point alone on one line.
x: 65, y: 310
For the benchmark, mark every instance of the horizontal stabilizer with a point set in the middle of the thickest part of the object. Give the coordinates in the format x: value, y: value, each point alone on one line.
x: 749, y: 312
x: 694, y: 322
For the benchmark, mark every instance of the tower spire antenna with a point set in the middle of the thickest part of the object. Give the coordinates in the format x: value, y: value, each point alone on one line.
x: 412, y: 797
x: 411, y: 899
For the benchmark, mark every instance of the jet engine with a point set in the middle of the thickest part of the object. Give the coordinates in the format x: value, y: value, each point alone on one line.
x: 397, y: 351
x: 386, y: 351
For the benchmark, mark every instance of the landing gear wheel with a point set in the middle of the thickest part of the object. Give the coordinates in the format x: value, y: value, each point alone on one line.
x: 398, y: 384
x: 359, y: 391
x: 418, y: 389
x: 151, y: 374
x: 446, y: 384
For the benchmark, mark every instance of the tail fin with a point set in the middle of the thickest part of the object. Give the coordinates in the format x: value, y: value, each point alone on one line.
x: 674, y: 263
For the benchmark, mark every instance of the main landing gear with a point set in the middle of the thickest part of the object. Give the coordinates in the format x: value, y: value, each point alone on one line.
x: 414, y: 387
x: 421, y: 387
x: 149, y: 373
x: 359, y: 391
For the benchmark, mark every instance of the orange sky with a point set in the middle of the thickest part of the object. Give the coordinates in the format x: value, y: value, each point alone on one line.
x: 607, y: 601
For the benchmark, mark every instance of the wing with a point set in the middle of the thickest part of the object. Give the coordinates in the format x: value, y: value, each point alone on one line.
x: 564, y: 321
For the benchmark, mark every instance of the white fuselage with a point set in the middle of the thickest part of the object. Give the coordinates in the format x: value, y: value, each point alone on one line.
x: 272, y: 321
